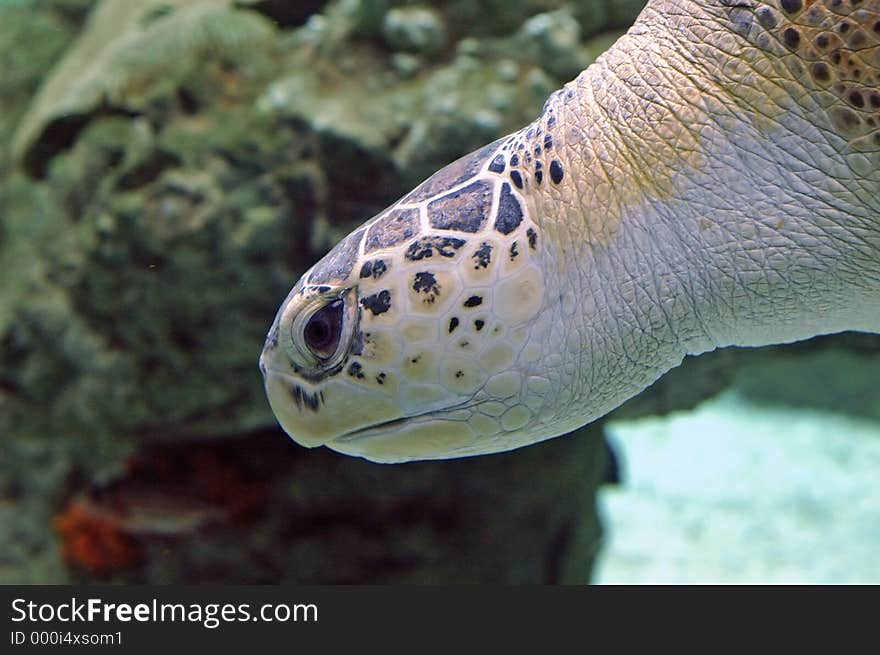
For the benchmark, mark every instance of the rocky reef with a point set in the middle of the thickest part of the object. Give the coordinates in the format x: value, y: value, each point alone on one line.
x: 167, y: 169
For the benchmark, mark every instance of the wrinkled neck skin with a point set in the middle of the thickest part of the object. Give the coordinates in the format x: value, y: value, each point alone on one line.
x: 728, y: 194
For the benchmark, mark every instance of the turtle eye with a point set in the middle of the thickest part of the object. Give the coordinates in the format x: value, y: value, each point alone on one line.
x: 316, y: 329
x: 323, y: 330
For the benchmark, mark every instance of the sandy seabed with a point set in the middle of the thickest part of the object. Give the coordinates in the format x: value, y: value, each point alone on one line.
x: 738, y: 493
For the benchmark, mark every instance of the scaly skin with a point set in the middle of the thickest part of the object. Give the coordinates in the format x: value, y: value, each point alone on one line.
x: 712, y: 180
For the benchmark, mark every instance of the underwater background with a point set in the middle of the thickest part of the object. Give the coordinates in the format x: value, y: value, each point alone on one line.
x: 168, y: 169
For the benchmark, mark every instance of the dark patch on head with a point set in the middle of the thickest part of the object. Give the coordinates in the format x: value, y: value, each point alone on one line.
x: 453, y: 323
x: 539, y: 176
x: 304, y: 399
x: 857, y: 40
x: 792, y: 6
x: 550, y: 123
x: 533, y: 238
x: 355, y: 370
x: 517, y: 179
x: 357, y: 343
x: 767, y: 17
x: 791, y: 38
x: 378, y: 303
x: 548, y: 142
x: 465, y: 210
x: 374, y: 268
x: 337, y: 264
x: 538, y: 151
x: 426, y: 246
x: 473, y: 301
x: 741, y: 18
x: 556, y: 171
x: 513, y: 251
x: 498, y: 164
x: 856, y: 98
x: 478, y: 324
x: 514, y: 160
x: 509, y: 211
x: 821, y: 72
x: 395, y: 226
x: 426, y: 283
x: 844, y: 118
x: 483, y: 256
x: 453, y: 174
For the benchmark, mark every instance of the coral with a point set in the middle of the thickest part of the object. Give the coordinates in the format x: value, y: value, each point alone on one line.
x: 128, y: 51
x: 416, y: 29
x: 32, y: 38
x: 93, y: 543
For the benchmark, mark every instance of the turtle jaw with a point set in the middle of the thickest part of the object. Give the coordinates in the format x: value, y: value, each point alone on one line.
x: 422, y: 437
x: 316, y: 415
x: 363, y: 425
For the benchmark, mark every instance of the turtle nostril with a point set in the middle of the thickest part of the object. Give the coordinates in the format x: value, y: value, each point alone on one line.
x: 324, y: 329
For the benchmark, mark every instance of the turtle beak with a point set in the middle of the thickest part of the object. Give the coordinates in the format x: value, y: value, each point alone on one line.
x: 314, y: 415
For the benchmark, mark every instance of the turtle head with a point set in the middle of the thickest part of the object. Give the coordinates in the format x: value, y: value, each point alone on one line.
x: 412, y: 338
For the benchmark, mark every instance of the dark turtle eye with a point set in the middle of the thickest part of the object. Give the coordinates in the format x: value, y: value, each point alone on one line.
x: 324, y: 329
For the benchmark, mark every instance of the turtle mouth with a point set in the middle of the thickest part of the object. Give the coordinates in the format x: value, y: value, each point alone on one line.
x: 436, y: 434
x: 383, y: 428
x: 377, y: 429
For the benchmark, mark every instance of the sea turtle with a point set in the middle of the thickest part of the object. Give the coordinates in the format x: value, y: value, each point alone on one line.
x: 711, y: 180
